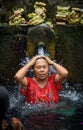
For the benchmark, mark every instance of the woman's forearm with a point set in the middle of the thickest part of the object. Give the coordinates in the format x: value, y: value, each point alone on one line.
x: 22, y: 72
x: 60, y: 69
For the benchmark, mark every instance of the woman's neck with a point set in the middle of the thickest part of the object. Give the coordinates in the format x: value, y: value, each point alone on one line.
x: 41, y: 82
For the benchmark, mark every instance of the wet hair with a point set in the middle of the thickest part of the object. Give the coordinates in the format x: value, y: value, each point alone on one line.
x: 4, y: 101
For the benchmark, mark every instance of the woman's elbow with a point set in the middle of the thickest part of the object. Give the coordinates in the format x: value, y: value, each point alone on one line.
x: 17, y: 77
x: 66, y: 73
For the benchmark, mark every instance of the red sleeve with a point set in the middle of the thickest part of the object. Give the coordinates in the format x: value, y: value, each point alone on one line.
x: 22, y: 90
x: 59, y: 86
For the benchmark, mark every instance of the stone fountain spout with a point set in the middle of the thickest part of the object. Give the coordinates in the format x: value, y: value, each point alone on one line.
x: 41, y: 39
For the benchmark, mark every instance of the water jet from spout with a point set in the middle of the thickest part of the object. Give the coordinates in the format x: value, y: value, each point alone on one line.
x: 41, y: 49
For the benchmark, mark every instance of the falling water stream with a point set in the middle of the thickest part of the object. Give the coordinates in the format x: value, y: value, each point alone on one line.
x: 65, y: 115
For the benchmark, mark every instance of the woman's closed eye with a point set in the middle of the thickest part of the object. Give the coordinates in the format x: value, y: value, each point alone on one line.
x: 39, y: 67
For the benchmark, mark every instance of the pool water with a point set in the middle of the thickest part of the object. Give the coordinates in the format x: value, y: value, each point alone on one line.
x: 66, y: 115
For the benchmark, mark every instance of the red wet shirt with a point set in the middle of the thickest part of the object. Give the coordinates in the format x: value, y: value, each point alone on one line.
x: 35, y: 94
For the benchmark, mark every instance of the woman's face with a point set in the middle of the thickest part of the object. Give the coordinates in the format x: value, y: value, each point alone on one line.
x: 41, y: 69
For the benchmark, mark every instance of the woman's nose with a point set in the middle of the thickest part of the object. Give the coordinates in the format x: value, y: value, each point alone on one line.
x: 42, y: 69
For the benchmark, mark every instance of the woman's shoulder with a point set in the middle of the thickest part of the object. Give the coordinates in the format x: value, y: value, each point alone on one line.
x: 31, y: 80
x: 52, y: 76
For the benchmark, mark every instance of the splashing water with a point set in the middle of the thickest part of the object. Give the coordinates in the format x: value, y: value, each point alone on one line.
x: 44, y: 115
x: 70, y: 92
x: 63, y: 107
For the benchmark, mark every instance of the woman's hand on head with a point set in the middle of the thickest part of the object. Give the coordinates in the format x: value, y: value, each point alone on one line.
x: 32, y: 61
x: 50, y: 62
